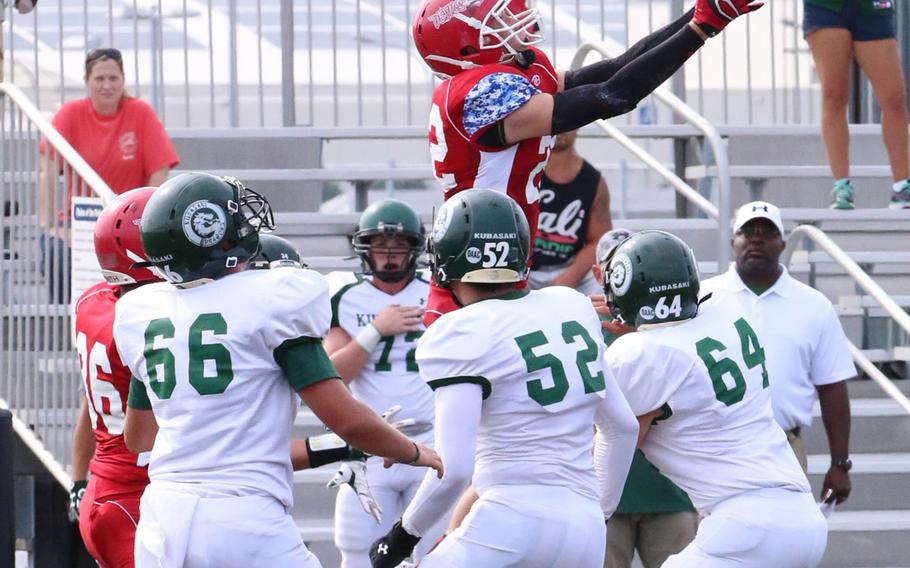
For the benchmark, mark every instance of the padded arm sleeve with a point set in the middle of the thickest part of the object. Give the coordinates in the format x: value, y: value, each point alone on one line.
x: 581, y: 105
x: 604, y: 70
x: 458, y: 409
x: 614, y: 445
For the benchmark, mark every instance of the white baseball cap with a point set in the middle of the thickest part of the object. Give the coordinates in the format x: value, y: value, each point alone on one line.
x: 758, y: 210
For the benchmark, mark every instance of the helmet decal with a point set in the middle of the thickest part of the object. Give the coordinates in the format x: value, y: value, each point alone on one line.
x: 204, y: 223
x: 472, y: 255
x: 620, y: 274
x: 443, y: 220
x: 646, y: 313
x: 444, y: 14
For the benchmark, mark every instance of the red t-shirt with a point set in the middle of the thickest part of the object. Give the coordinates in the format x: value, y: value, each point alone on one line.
x: 107, y: 385
x: 124, y: 148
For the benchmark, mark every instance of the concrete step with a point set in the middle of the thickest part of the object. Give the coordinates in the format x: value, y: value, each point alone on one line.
x: 868, y: 434
x: 799, y: 144
x: 879, y: 481
x: 312, y: 499
x: 866, y: 389
x: 868, y: 538
x: 318, y: 537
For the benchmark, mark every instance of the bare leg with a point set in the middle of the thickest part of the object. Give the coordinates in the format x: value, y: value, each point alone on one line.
x: 880, y: 61
x: 832, y: 51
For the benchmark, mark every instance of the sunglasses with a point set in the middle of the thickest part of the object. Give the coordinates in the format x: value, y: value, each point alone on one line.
x: 103, y: 53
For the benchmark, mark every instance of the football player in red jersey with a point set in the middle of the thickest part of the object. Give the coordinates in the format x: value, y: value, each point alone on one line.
x: 493, y: 117
x: 107, y: 507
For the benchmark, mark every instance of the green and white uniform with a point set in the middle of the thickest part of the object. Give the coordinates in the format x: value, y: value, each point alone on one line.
x: 220, y: 370
x: 390, y: 377
x: 529, y: 383
x: 717, y: 439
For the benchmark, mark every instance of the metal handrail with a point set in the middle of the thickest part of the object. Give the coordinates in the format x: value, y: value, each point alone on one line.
x: 58, y: 142
x: 663, y: 171
x: 722, y: 213
x: 87, y: 174
x: 853, y: 270
x: 880, y: 379
x: 33, y: 443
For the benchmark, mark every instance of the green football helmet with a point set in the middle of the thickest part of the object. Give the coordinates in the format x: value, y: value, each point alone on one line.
x: 275, y: 251
x: 652, y: 277
x: 389, y: 217
x: 197, y: 226
x: 479, y: 236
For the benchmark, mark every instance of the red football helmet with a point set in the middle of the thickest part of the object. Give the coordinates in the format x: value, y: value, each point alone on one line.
x: 117, y: 242
x: 454, y: 35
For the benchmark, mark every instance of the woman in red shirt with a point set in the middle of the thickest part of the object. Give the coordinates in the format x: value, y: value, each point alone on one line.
x: 121, y: 139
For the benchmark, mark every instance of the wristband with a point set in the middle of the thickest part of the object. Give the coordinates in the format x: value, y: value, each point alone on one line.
x: 698, y: 29
x: 326, y: 449
x: 368, y: 337
x: 416, y: 455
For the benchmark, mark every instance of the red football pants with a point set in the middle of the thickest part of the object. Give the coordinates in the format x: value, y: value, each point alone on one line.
x: 108, y: 515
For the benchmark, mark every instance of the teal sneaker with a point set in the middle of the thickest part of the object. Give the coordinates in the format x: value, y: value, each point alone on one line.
x: 843, y: 193
x: 900, y: 199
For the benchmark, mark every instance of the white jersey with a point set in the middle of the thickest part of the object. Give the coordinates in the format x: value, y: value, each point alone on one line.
x: 802, y: 336
x: 716, y: 437
x: 207, y: 359
x: 390, y: 376
x: 542, y: 380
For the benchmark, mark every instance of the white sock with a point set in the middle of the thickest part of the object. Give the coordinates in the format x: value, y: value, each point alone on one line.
x: 899, y: 185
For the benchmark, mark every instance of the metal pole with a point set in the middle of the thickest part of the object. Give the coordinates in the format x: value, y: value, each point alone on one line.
x: 232, y: 53
x: 7, y: 493
x: 361, y: 195
x: 678, y: 87
x: 288, y: 102
x: 156, y: 93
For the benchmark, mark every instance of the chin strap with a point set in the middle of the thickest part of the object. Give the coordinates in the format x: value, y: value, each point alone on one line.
x: 525, y: 59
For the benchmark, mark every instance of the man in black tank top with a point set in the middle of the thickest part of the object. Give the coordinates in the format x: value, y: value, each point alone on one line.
x: 574, y: 213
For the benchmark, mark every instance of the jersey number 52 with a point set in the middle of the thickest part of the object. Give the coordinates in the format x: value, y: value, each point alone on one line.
x: 572, y: 331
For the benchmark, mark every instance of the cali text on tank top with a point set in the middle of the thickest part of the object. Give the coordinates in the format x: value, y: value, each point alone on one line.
x: 564, y: 214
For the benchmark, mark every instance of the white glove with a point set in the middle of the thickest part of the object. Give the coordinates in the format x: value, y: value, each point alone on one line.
x: 354, y: 473
x: 408, y: 426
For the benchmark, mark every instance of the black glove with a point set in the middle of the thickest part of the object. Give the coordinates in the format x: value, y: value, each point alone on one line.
x: 390, y: 550
x: 76, y: 494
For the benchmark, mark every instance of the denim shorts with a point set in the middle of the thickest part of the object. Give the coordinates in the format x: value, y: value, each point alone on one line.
x: 863, y: 27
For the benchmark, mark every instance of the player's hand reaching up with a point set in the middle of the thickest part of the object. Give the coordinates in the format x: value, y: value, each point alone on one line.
x: 396, y: 319
x: 712, y: 16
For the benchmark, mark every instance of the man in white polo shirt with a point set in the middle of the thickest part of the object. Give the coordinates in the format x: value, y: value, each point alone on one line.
x: 805, y: 347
